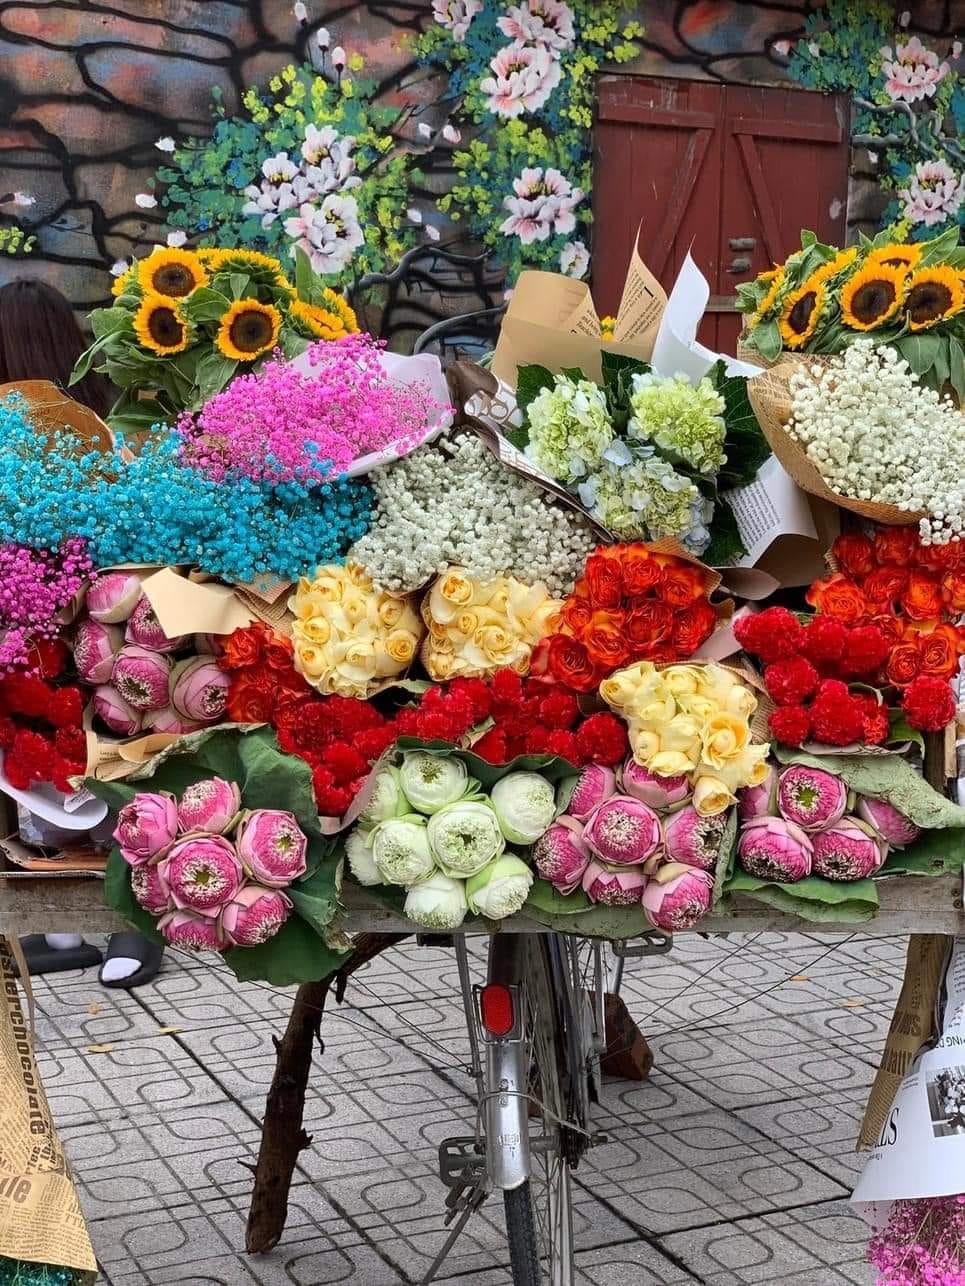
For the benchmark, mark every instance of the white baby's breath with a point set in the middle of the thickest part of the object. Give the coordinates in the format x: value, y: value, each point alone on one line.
x: 454, y: 504
x: 875, y: 433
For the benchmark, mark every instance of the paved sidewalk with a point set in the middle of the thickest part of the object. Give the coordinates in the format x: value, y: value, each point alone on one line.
x: 731, y: 1164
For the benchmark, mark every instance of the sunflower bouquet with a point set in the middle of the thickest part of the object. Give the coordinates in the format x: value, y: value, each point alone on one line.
x: 909, y: 296
x: 184, y: 322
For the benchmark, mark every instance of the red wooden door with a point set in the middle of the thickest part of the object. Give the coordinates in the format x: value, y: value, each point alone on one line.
x: 731, y: 172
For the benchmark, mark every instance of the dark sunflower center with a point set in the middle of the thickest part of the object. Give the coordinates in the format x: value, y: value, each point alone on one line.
x: 164, y: 327
x: 250, y: 331
x: 872, y: 300
x: 928, y: 300
x: 173, y: 280
x: 897, y: 262
x: 799, y: 317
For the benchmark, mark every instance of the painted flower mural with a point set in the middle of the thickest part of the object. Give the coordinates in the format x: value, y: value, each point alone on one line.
x: 909, y: 97
x: 312, y: 163
x: 520, y: 82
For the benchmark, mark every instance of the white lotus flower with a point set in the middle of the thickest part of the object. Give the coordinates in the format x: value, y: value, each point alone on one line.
x: 438, y: 903
x: 361, y: 860
x: 464, y: 837
x: 500, y: 889
x: 387, y: 799
x: 400, y: 849
x: 430, y: 782
x: 525, y: 806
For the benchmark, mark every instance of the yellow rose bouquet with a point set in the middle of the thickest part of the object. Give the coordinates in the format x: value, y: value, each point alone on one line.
x: 475, y: 626
x: 691, y: 721
x: 350, y: 639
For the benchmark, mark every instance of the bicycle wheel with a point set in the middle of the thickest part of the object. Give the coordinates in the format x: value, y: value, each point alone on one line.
x: 539, y: 1217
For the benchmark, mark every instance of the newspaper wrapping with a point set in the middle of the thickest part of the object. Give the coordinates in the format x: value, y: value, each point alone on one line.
x: 40, y: 1216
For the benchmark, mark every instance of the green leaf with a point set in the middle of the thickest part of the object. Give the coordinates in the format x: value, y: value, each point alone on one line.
x: 294, y: 955
x: 744, y: 444
x: 304, y: 276
x: 821, y: 901
x: 120, y: 896
x: 530, y: 382
x: 611, y: 922
x: 545, y: 898
x: 767, y: 340
x: 725, y: 542
x: 956, y: 367
x: 901, y: 731
x: 939, y: 248
x: 316, y: 897
x: 887, y: 777
x: 213, y: 373
x: 919, y: 351
x: 726, y: 856
x: 942, y: 361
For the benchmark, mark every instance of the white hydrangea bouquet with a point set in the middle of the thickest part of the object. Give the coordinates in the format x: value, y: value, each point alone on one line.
x: 646, y: 455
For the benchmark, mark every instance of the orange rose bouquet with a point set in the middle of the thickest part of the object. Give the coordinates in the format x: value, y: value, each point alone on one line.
x: 632, y: 604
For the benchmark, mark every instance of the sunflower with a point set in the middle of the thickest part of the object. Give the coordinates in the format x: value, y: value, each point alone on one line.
x: 872, y: 296
x: 255, y: 264
x: 159, y: 326
x: 774, y: 280
x: 895, y: 256
x: 174, y: 273
x: 843, y: 259
x: 121, y: 283
x: 934, y: 294
x: 319, y: 322
x: 339, y: 304
x: 800, y: 314
x: 248, y: 329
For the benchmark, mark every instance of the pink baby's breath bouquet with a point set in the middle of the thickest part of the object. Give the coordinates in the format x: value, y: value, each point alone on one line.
x: 311, y: 420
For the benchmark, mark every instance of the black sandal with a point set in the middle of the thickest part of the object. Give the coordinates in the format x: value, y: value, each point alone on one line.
x: 136, y: 947
x: 41, y: 958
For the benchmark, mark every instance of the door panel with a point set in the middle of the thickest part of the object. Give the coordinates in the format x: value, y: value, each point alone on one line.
x: 732, y: 171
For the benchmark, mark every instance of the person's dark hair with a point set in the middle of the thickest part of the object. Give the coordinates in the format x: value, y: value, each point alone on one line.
x: 41, y: 340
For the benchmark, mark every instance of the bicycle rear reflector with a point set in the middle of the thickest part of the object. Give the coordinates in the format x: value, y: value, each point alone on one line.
x: 496, y: 1009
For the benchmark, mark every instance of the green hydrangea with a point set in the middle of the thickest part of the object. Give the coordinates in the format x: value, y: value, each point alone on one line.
x: 684, y: 421
x: 647, y: 499
x: 569, y: 428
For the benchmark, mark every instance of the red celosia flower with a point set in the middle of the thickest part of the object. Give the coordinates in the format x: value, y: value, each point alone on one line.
x: 773, y: 635
x: 837, y: 720
x: 791, y: 682
x: 791, y: 725
x: 559, y: 709
x: 492, y: 747
x: 825, y: 640
x: 928, y: 704
x: 866, y: 652
x: 602, y: 739
x: 344, y: 762
x: 562, y: 742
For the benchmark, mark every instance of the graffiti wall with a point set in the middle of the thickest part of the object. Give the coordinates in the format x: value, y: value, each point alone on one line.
x: 358, y: 131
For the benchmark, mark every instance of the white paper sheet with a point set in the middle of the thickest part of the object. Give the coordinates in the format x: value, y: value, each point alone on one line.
x: 676, y: 349
x: 921, y: 1150
x: 767, y: 508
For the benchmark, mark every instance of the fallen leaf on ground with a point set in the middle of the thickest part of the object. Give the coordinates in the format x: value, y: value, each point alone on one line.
x: 168, y: 1031
x: 99, y: 1049
x: 94, y: 1008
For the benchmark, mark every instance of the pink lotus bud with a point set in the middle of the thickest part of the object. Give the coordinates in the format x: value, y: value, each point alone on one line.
x: 659, y: 793
x: 146, y: 827
x: 111, y: 597
x: 111, y: 708
x: 594, y: 784
x: 95, y: 646
x: 561, y: 856
x: 622, y: 830
x: 693, y: 839
x: 759, y: 801
x: 201, y: 873
x: 191, y: 932
x: 168, y: 720
x: 141, y: 677
x: 211, y: 805
x: 613, y: 885
x: 893, y: 827
x: 149, y: 889
x: 199, y: 689
x: 272, y: 846
x: 677, y: 897
x: 852, y: 850
x: 811, y: 798
x: 144, y: 628
x: 254, y: 915
x: 774, y: 849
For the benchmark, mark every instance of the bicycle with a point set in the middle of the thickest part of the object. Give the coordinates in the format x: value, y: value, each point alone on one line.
x: 537, y: 1031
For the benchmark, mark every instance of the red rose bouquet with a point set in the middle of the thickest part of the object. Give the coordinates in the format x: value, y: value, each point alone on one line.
x: 631, y: 604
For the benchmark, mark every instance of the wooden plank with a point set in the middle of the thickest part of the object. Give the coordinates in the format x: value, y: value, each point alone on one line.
x: 782, y: 130
x: 908, y: 905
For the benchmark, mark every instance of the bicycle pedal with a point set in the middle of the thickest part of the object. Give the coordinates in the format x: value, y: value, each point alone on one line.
x: 462, y: 1163
x: 647, y: 944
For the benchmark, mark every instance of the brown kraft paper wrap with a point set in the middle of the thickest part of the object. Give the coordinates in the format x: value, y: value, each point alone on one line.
x: 912, y: 1026
x: 40, y: 1216
x: 770, y: 396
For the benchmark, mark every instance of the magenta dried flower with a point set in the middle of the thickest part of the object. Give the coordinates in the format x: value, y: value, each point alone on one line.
x: 35, y: 588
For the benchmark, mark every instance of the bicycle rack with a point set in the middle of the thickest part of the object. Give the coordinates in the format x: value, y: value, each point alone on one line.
x: 650, y: 943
